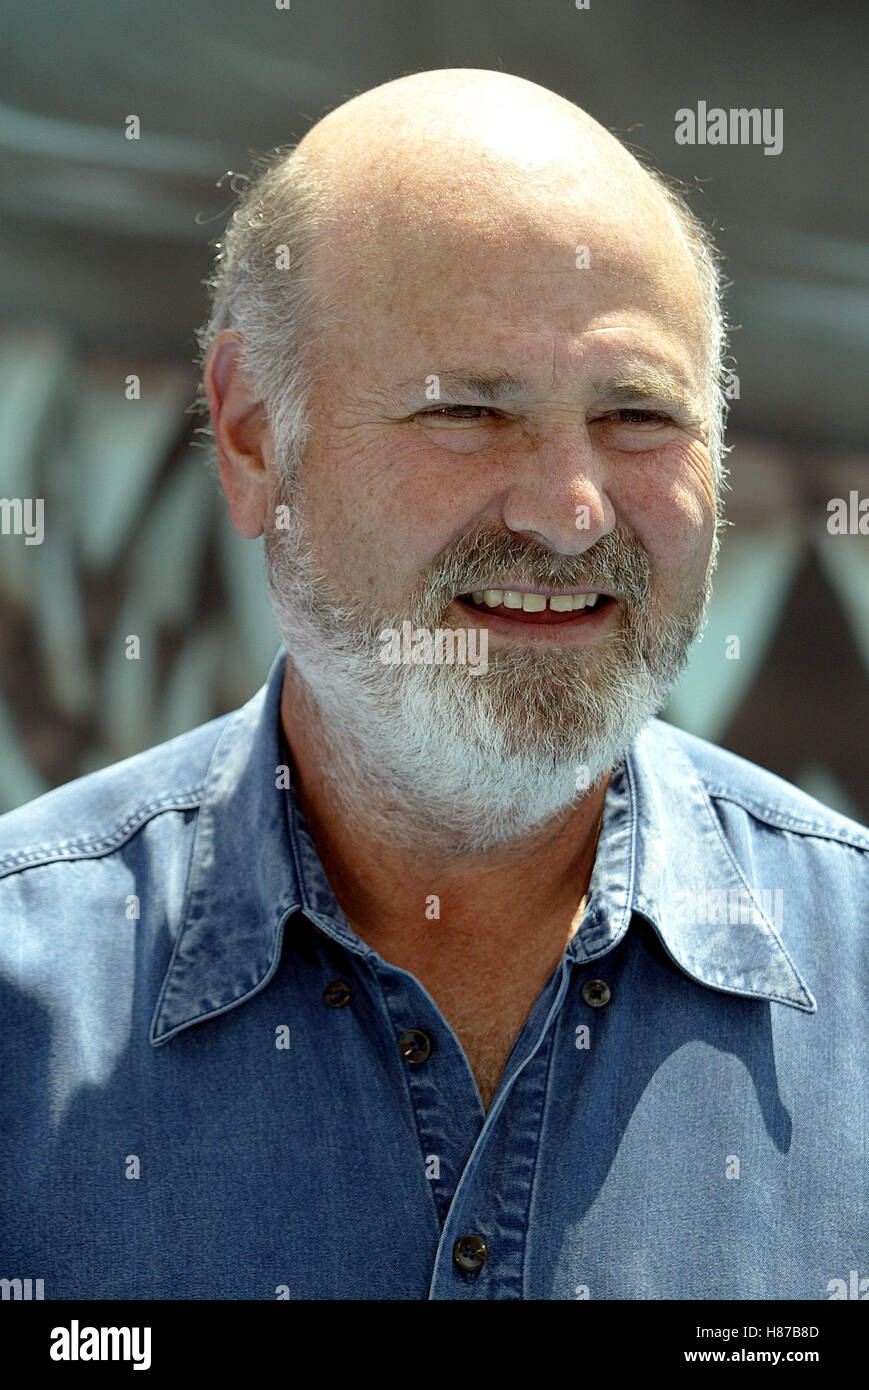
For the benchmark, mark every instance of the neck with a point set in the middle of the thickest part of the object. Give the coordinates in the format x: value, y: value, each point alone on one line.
x: 392, y: 893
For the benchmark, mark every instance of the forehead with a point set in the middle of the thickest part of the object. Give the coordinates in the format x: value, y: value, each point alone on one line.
x: 456, y: 263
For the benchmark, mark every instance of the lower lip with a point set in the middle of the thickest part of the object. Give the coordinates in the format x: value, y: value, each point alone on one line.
x: 555, y: 627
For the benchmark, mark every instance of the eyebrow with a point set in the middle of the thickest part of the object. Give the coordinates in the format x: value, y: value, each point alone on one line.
x: 647, y: 383
x: 643, y: 382
x: 495, y: 386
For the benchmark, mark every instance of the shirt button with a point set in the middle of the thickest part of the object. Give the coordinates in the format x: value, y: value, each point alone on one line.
x: 414, y: 1045
x: 470, y: 1253
x: 596, y: 993
x: 337, y: 994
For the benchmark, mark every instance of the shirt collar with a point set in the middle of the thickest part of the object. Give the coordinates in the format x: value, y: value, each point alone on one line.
x: 242, y: 884
x: 254, y: 865
x: 662, y: 854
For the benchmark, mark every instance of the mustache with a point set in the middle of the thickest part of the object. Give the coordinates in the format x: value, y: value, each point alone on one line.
x: 616, y: 563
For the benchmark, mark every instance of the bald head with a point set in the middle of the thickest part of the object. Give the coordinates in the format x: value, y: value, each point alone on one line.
x: 487, y: 121
x: 476, y: 148
x: 389, y: 193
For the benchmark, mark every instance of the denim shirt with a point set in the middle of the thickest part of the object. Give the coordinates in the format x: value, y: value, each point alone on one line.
x: 212, y: 1088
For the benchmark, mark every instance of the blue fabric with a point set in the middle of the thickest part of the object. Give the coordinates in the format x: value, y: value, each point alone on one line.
x: 160, y: 1139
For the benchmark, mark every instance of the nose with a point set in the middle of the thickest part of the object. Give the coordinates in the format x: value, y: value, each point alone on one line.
x: 558, y: 495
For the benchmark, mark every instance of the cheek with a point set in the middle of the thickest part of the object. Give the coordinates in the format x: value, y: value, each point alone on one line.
x: 668, y: 499
x: 383, y: 510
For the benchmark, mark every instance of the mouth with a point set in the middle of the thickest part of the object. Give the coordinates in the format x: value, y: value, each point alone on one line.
x: 511, y: 609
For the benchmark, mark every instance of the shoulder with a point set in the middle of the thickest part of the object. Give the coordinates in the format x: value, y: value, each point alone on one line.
x: 735, y: 784
x: 98, y: 813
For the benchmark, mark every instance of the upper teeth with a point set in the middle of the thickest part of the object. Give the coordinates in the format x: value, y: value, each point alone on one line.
x: 534, y: 603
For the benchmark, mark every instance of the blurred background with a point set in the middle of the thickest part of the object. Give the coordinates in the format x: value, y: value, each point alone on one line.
x: 105, y: 243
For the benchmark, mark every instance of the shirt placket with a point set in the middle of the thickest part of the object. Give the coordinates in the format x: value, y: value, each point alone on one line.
x: 482, y: 1248
x: 440, y: 1084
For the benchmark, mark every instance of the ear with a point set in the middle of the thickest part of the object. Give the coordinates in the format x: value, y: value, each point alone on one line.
x: 245, y: 449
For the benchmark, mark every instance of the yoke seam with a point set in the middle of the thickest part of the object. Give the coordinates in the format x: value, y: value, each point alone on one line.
x: 781, y: 820
x: 189, y: 800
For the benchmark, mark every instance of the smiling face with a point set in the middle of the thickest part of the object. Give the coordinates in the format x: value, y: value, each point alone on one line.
x: 508, y: 433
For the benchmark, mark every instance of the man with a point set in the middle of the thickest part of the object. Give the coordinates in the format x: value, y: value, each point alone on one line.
x: 443, y: 969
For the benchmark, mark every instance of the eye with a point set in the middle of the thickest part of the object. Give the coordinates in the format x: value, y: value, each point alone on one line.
x: 471, y: 414
x: 631, y: 416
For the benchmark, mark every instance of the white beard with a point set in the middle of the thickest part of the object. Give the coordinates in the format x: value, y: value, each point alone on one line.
x: 445, y: 757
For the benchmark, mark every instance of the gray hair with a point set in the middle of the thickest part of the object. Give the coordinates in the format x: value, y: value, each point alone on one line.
x: 282, y: 313
x: 264, y: 288
x: 707, y: 261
